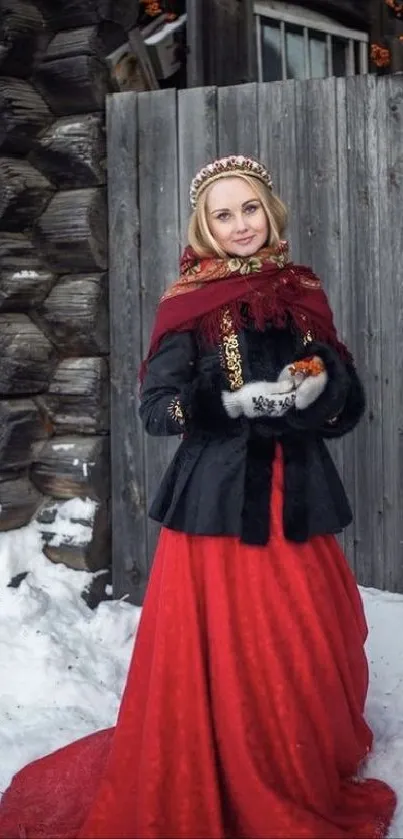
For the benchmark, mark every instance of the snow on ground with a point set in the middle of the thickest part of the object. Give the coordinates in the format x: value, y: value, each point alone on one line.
x: 62, y: 665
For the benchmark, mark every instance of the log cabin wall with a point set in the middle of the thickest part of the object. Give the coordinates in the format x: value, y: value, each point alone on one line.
x: 54, y: 376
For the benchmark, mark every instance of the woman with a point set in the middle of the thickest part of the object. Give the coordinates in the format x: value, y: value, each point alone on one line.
x: 243, y: 710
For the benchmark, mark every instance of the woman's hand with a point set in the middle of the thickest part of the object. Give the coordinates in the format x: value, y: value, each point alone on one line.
x: 308, y: 386
x: 260, y: 399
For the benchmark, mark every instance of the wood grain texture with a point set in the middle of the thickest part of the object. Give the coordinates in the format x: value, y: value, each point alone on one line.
x: 72, y: 152
x: 390, y: 173
x: 158, y: 200
x: 77, y: 400
x: 24, y: 193
x: 19, y: 501
x: 72, y: 466
x: 24, y: 279
x: 130, y: 563
x: 277, y: 117
x: 197, y: 142
x: 73, y: 231
x: 21, y: 424
x: 23, y: 115
x: 75, y: 314
x: 27, y: 358
x: 21, y: 32
x: 363, y: 308
x: 238, y: 120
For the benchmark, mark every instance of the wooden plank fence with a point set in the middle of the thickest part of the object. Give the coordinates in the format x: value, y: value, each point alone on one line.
x: 335, y: 148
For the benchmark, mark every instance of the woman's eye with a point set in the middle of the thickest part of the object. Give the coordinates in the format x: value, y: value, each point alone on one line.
x: 223, y: 216
x: 251, y: 208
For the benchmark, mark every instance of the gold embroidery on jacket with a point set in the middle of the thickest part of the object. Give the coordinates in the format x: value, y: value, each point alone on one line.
x: 230, y: 351
x: 175, y: 411
x: 308, y: 338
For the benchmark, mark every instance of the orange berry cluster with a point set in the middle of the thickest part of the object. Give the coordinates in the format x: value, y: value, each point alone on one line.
x: 308, y: 366
x: 380, y: 55
x: 152, y: 7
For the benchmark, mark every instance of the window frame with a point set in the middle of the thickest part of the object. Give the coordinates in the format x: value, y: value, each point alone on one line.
x: 309, y: 21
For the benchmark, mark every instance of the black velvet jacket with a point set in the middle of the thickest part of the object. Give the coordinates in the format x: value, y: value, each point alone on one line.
x: 219, y: 481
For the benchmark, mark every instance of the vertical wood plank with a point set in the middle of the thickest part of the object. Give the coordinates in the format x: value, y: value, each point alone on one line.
x: 319, y: 197
x: 197, y: 136
x: 129, y: 543
x: 346, y: 446
x: 159, y: 248
x: 390, y: 144
x: 195, y: 70
x: 365, y: 314
x: 278, y: 149
x: 303, y: 163
x: 238, y: 120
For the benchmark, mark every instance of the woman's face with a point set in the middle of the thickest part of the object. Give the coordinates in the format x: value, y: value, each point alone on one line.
x: 236, y: 217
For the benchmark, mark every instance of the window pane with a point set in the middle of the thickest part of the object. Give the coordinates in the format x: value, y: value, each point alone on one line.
x: 271, y: 52
x: 339, y: 52
x: 318, y: 55
x: 295, y: 55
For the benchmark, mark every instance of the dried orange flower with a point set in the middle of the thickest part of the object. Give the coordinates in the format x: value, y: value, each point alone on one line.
x: 308, y: 366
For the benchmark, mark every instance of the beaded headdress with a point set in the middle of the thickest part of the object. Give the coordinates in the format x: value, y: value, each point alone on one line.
x: 226, y: 166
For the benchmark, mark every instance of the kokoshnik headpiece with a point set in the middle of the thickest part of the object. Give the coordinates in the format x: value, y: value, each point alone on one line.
x: 226, y: 166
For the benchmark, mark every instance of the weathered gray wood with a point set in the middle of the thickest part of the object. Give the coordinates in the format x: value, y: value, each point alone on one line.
x: 238, y: 120
x: 24, y: 281
x: 158, y: 200
x: 322, y: 209
x: 72, y: 232
x: 277, y: 142
x: 74, y: 42
x: 67, y: 14
x: 23, y: 115
x: 75, y: 314
x: 77, y: 400
x: 24, y: 192
x: 198, y: 142
x: 21, y: 27
x: 19, y: 501
x: 195, y: 44
x: 220, y: 41
x: 349, y: 12
x: 390, y: 140
x: 127, y: 350
x: 72, y: 152
x: 26, y: 356
x: 20, y: 425
x: 72, y: 466
x: 73, y: 85
x: 76, y: 532
x: 344, y: 450
x: 364, y: 305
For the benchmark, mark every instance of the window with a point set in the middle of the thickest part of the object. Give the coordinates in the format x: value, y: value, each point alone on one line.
x: 296, y: 43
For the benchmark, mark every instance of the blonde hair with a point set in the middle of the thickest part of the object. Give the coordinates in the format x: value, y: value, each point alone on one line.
x: 199, y: 234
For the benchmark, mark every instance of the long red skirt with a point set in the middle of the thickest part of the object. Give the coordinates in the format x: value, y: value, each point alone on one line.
x: 243, y: 710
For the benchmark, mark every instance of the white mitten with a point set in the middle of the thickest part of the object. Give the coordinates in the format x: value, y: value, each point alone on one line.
x: 293, y: 379
x: 260, y: 399
x: 309, y: 390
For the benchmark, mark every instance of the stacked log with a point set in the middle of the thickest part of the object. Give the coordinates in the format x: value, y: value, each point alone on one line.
x: 54, y: 336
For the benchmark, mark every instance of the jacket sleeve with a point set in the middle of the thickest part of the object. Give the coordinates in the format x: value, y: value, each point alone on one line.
x: 341, y: 405
x: 182, y: 389
x: 164, y: 394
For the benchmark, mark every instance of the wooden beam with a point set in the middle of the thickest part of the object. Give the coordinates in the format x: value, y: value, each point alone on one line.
x: 220, y: 42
